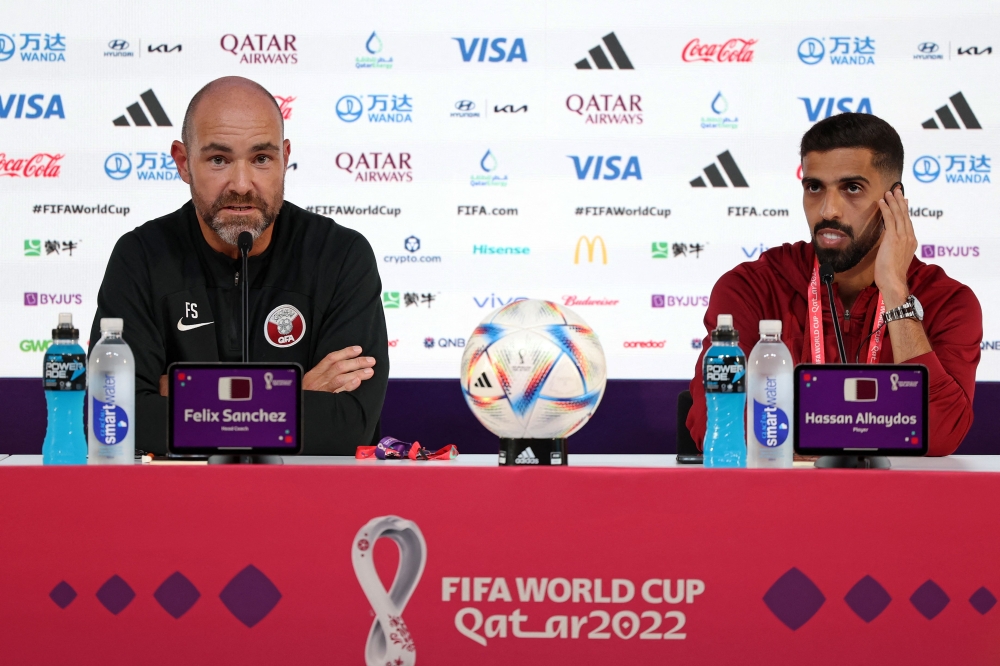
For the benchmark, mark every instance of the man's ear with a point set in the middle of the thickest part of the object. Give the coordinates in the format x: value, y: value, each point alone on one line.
x: 179, y: 152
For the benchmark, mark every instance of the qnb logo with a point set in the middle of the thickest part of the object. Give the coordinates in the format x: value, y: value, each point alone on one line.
x: 376, y: 167
x: 600, y: 59
x: 715, y: 177
x: 591, y: 244
x: 964, y: 251
x: 31, y: 107
x: 644, y: 344
x: 611, y: 166
x: 948, y: 119
x: 497, y: 49
x: 33, y: 298
x: 843, y: 105
x: 430, y: 343
x: 262, y: 49
x: 139, y: 118
x: 733, y: 50
x: 974, y: 50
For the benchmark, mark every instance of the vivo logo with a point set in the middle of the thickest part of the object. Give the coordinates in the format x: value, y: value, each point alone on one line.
x: 495, y: 301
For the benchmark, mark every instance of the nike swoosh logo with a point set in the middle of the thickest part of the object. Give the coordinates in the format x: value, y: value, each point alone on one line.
x: 181, y: 326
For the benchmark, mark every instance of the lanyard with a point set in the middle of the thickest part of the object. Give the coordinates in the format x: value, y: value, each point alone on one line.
x: 815, y: 324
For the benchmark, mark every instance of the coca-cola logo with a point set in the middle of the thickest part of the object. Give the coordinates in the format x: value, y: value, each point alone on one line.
x: 285, y: 106
x: 40, y: 165
x: 734, y: 50
x: 644, y: 344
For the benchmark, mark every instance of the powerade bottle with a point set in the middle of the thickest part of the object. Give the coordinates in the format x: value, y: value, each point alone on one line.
x: 112, y: 398
x: 724, y: 372
x: 770, y: 400
x: 65, y: 381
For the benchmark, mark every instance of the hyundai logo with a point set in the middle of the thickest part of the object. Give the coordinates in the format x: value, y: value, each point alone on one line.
x: 6, y: 47
x: 465, y: 105
x: 926, y: 169
x: 927, y: 47
x: 117, y: 45
x: 811, y: 50
x: 411, y: 244
x: 349, y: 108
x: 118, y: 166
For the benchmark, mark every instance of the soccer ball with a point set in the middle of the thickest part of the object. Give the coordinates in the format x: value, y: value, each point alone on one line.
x: 533, y: 370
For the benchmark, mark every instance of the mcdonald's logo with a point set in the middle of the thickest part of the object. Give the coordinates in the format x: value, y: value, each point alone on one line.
x: 591, y: 243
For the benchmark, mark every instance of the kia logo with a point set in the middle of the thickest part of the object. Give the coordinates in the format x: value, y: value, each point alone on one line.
x: 928, y: 47
x: 117, y: 45
x: 926, y: 169
x: 465, y: 105
x: 811, y: 50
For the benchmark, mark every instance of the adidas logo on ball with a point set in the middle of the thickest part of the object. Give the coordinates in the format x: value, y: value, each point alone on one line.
x: 526, y: 457
x: 483, y: 382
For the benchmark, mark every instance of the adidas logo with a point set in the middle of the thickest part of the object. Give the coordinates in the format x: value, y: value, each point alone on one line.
x: 948, y: 119
x: 483, y: 382
x: 526, y: 457
x: 715, y: 177
x: 139, y: 118
x: 601, y: 60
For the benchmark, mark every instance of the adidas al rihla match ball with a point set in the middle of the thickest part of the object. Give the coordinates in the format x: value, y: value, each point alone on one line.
x: 533, y: 370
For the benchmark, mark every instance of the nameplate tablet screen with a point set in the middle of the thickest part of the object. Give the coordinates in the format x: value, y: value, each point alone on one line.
x: 845, y: 409
x: 219, y: 407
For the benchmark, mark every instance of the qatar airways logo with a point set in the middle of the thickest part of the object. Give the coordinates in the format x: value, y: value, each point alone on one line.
x: 734, y: 50
x: 261, y: 49
x: 376, y: 167
x: 39, y: 165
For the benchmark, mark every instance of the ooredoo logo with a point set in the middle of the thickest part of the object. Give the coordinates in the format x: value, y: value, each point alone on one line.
x: 644, y: 344
x: 285, y: 326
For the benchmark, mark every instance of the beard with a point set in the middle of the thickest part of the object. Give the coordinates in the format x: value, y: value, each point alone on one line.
x: 229, y: 230
x: 850, y: 256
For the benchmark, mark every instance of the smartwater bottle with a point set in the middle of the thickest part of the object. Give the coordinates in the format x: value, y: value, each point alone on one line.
x: 724, y: 372
x: 65, y: 381
x: 770, y: 400
x: 112, y: 398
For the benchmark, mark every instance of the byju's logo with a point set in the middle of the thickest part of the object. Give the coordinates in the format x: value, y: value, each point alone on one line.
x: 611, y: 165
x: 119, y: 48
x: 31, y: 106
x: 32, y: 298
x: 719, y: 107
x: 139, y: 118
x: 670, y: 301
x: 151, y: 166
x: 35, y: 47
x: 489, y: 176
x: 600, y: 59
x: 373, y: 45
x: 841, y: 50
x: 932, y: 251
x: 477, y: 49
x: 842, y: 104
x: 973, y: 169
x: 948, y: 119
x: 382, y: 108
x: 928, y: 51
x: 376, y: 167
x: 715, y: 177
x: 608, y: 109
x: 262, y: 49
x: 733, y: 50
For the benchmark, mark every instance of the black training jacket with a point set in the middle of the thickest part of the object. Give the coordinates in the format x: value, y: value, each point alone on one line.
x: 315, y: 290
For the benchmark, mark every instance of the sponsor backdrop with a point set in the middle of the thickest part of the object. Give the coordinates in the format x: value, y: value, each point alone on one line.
x: 612, y: 157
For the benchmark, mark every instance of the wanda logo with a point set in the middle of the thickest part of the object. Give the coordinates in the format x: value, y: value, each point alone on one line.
x: 40, y: 165
x: 735, y: 50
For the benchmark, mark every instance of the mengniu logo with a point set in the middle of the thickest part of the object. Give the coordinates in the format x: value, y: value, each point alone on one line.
x: 974, y: 169
x: 35, y: 46
x: 963, y: 251
x: 284, y: 326
x: 591, y: 244
x: 33, y: 298
x: 607, y: 109
x: 842, y: 104
x: 138, y: 116
x: 611, y: 165
x: 715, y: 177
x: 948, y: 118
x: 476, y: 49
x: 150, y: 166
x: 600, y: 58
x: 285, y: 106
x: 733, y: 50
x: 841, y: 50
x: 39, y: 165
x: 262, y: 49
x: 373, y: 46
x: 31, y: 107
x: 376, y: 167
x: 381, y: 109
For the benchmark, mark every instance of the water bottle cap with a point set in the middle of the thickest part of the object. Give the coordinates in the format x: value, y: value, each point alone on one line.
x: 770, y: 327
x: 724, y: 331
x: 724, y: 321
x: 65, y: 330
x: 114, y: 324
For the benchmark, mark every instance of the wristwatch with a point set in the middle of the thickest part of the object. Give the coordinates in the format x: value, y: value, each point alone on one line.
x: 910, y: 309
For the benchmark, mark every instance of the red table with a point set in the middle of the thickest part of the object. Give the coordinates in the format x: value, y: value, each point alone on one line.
x: 253, y: 564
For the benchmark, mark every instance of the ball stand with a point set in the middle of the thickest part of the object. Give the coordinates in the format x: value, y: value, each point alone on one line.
x: 242, y: 459
x: 852, y: 462
x: 532, y: 452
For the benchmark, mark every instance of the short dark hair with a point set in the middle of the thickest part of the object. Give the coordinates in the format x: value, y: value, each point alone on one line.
x: 857, y: 130
x: 193, y: 104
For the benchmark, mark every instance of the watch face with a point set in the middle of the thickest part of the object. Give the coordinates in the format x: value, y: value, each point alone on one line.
x: 917, y: 308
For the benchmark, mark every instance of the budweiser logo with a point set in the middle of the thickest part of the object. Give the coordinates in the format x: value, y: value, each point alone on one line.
x: 41, y: 165
x: 574, y: 300
x: 735, y: 50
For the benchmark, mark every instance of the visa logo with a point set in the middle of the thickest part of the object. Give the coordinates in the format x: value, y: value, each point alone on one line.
x: 842, y: 104
x: 16, y: 103
x: 495, y: 301
x: 498, y: 54
x: 612, y: 171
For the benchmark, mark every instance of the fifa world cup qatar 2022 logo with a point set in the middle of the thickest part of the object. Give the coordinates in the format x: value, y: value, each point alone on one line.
x: 389, y: 641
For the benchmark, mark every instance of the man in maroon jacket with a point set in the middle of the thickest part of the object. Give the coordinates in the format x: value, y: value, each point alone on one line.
x: 859, y: 223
